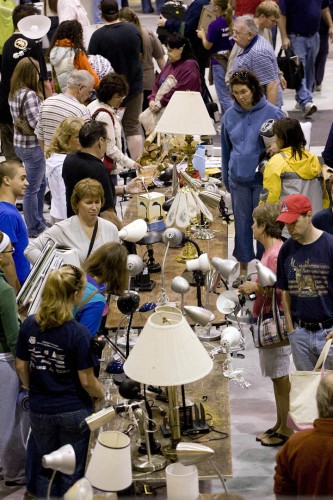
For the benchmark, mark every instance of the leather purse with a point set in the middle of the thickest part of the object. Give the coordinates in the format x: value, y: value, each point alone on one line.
x: 21, y: 123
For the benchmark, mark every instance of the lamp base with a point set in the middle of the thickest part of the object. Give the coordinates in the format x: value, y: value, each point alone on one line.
x: 188, y: 253
x: 207, y: 334
x: 204, y: 234
x: 143, y: 464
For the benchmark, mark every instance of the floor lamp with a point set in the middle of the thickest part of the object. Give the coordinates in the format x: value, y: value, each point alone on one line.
x: 169, y: 354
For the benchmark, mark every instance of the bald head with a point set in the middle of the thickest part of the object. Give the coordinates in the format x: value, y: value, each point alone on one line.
x: 325, y: 397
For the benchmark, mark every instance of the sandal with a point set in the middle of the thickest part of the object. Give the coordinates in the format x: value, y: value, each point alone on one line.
x: 275, y: 439
x: 238, y: 281
x: 265, y: 434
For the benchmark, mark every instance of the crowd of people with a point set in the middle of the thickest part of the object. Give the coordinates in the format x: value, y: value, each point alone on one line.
x: 77, y: 134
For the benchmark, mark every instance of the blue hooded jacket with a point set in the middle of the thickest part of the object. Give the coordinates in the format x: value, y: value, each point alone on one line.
x: 241, y: 141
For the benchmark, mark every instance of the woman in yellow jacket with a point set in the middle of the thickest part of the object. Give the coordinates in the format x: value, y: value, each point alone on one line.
x: 293, y: 170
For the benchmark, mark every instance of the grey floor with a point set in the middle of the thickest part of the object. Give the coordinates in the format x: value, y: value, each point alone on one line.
x: 252, y: 409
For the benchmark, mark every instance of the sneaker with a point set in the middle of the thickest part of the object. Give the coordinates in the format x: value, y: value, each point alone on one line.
x: 309, y: 109
x: 298, y: 107
x: 317, y: 88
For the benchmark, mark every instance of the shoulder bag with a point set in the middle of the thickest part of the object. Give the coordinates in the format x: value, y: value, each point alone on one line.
x: 107, y: 161
x: 303, y: 391
x: 21, y: 123
x: 270, y: 328
x: 291, y: 67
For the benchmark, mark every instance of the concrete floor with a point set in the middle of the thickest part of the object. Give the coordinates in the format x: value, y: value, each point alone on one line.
x: 252, y: 409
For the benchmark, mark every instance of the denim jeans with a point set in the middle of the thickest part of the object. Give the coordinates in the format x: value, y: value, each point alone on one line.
x: 306, y: 347
x: 52, y: 431
x: 307, y: 49
x: 244, y: 197
x: 222, y: 89
x: 33, y: 201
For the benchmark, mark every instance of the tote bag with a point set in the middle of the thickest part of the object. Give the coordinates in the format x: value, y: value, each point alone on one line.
x: 304, y: 384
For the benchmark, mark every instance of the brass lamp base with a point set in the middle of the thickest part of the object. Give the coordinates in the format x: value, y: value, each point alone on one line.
x: 189, y: 252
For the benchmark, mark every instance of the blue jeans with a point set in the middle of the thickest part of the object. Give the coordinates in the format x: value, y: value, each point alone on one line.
x: 222, y: 90
x: 307, y: 49
x: 306, y: 347
x: 52, y: 431
x: 244, y: 197
x: 33, y: 201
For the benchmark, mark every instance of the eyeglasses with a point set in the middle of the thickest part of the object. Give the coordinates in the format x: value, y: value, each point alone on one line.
x: 106, y: 139
x: 235, y: 32
x: 12, y: 250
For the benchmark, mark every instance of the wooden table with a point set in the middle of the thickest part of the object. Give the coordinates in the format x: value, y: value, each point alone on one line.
x: 216, y: 247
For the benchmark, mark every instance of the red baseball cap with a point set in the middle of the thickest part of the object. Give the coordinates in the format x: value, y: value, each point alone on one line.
x: 293, y: 206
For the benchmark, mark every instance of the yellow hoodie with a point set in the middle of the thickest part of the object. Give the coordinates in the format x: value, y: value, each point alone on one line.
x: 284, y: 175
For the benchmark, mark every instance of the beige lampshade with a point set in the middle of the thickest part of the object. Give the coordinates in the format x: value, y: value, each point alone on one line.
x: 167, y: 353
x: 186, y: 113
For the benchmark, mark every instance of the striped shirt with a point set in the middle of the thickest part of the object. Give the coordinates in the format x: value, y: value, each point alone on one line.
x: 30, y: 112
x: 259, y: 57
x: 53, y: 110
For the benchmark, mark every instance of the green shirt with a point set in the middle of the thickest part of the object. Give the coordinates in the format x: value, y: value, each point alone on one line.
x: 9, y: 323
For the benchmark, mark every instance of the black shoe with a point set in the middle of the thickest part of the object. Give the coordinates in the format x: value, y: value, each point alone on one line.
x: 13, y: 484
x: 149, y: 11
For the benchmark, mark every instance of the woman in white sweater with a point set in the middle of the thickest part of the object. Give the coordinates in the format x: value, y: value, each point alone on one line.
x: 110, y: 94
x: 85, y: 231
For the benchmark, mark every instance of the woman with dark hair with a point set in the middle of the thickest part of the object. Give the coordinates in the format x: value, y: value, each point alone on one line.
x: 67, y: 52
x: 293, y: 169
x: 182, y: 65
x: 152, y: 49
x: 54, y: 361
x: 110, y: 94
x: 241, y: 148
x: 25, y: 100
x: 274, y: 361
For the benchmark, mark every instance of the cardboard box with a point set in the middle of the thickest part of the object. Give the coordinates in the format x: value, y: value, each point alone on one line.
x: 207, y: 16
x: 150, y: 207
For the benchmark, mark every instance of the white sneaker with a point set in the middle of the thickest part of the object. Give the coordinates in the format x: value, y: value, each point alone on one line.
x: 309, y: 109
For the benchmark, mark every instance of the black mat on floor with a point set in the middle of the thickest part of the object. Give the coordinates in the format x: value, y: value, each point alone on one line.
x: 321, y: 124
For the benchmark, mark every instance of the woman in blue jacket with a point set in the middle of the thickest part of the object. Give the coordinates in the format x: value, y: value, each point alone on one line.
x: 241, y: 148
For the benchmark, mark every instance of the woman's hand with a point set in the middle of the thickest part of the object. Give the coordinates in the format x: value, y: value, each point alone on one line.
x: 272, y: 149
x: 154, y: 106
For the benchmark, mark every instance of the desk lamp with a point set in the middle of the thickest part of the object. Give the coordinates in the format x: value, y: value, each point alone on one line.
x: 149, y: 240
x: 62, y: 460
x: 195, y: 453
x: 186, y: 114
x: 204, y: 318
x: 134, y: 231
x: 171, y: 237
x: 226, y: 268
x: 180, y: 285
x: 168, y: 353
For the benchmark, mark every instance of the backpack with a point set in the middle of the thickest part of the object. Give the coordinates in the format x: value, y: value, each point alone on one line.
x: 176, y: 10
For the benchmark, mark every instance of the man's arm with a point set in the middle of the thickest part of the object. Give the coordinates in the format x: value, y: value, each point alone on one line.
x: 110, y: 215
x: 326, y: 15
x: 286, y: 304
x: 272, y: 91
x: 282, y: 24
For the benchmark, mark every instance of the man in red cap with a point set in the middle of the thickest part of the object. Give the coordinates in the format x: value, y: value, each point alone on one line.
x: 305, y: 276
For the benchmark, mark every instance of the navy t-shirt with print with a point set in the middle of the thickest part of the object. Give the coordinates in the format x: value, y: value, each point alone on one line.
x: 306, y: 272
x: 55, y: 356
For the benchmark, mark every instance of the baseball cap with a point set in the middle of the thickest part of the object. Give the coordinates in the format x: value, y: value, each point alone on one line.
x: 292, y: 207
x: 109, y: 7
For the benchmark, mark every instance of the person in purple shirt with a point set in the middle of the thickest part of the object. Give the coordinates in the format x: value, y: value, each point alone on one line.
x: 219, y: 42
x: 182, y: 65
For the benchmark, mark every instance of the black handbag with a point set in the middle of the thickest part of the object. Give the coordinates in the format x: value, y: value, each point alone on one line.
x: 292, y: 68
x: 175, y: 10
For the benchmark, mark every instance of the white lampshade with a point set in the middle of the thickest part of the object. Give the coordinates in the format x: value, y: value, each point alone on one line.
x: 62, y: 460
x: 167, y: 353
x: 266, y: 276
x: 201, y: 263
x: 186, y: 113
x: 225, y: 267
x: 110, y: 466
x: 199, y: 315
x: 34, y: 27
x: 81, y: 490
x: 231, y: 336
x: 134, y: 264
x: 134, y: 231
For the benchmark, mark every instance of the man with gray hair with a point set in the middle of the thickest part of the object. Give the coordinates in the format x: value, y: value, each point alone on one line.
x: 304, y: 464
x: 257, y: 55
x: 57, y: 107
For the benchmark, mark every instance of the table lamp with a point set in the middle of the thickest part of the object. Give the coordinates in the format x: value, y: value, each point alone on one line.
x: 168, y: 353
x: 186, y: 114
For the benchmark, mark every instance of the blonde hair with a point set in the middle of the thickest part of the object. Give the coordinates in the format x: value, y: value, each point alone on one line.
x: 69, y: 127
x: 58, y: 295
x: 226, y: 10
x: 86, y: 188
x: 268, y: 8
